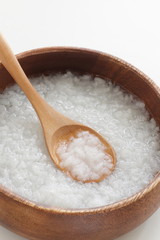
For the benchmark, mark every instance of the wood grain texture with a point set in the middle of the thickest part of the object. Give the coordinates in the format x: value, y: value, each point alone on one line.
x: 108, y: 222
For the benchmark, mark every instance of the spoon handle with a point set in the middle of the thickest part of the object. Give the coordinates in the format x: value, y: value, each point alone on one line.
x: 12, y: 65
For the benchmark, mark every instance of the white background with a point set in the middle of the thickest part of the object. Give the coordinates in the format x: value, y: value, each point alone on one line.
x: 129, y: 29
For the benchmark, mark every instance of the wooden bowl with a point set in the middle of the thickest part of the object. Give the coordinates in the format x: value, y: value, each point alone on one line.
x: 101, y: 223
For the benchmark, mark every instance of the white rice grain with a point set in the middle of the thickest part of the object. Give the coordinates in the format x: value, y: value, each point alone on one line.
x: 85, y: 157
x: 26, y: 168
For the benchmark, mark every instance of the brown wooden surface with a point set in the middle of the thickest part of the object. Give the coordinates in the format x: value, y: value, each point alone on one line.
x: 108, y: 222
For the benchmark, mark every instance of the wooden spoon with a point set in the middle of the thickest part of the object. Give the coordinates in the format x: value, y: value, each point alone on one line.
x: 56, y: 127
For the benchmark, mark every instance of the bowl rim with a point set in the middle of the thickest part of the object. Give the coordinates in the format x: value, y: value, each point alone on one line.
x: 81, y: 211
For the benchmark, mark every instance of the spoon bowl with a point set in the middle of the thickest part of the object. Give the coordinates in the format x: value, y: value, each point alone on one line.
x: 56, y: 127
x: 64, y: 134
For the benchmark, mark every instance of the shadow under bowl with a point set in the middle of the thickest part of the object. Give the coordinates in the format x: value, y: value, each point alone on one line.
x: 108, y: 222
